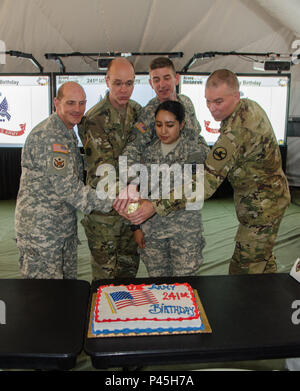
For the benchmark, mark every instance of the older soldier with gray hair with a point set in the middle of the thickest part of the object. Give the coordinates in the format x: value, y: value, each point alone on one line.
x: 247, y: 154
x: 51, y: 190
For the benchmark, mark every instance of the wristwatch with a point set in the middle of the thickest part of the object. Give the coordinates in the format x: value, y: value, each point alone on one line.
x: 135, y: 227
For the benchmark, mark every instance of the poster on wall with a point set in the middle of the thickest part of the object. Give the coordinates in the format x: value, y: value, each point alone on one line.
x: 271, y: 92
x: 95, y: 88
x: 25, y: 101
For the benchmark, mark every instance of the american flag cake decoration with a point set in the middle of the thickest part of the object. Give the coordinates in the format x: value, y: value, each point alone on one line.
x: 146, y: 309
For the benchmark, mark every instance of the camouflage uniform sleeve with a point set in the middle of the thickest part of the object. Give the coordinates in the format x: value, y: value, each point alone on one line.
x: 219, y: 162
x: 62, y: 172
x: 191, y: 120
x: 217, y: 165
x: 143, y: 133
x: 98, y: 145
x: 80, y: 128
x: 105, y: 133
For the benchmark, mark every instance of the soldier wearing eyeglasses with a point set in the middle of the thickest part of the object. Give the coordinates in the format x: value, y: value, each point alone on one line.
x: 105, y: 131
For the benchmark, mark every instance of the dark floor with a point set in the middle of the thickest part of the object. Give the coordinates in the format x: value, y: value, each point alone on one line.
x: 220, y: 225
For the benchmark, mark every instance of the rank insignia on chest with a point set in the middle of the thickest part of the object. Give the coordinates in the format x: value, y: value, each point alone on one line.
x: 141, y: 127
x: 59, y: 163
x: 86, y: 140
x: 60, y: 148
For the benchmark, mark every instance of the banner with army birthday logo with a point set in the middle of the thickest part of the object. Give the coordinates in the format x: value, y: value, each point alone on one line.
x: 24, y: 102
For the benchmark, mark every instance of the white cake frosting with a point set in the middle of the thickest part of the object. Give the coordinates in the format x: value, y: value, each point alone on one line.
x: 147, y: 309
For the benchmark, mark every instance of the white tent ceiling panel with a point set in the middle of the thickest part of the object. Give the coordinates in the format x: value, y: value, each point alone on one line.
x: 192, y: 26
x: 286, y: 12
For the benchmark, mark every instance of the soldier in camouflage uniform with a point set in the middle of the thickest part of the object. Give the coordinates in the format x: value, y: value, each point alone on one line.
x: 51, y: 189
x: 171, y: 245
x: 105, y: 130
x: 247, y: 154
x: 163, y: 79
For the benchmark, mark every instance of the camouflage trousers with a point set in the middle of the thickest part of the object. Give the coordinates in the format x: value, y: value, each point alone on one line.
x: 42, y: 261
x: 172, y: 256
x: 113, y: 250
x: 253, y: 253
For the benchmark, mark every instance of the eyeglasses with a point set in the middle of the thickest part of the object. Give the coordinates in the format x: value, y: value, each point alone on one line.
x: 119, y: 84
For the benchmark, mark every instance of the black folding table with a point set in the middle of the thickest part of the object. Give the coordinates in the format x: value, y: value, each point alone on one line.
x: 251, y: 317
x: 44, y: 323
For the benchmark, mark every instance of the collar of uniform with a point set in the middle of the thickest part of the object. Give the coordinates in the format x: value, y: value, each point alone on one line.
x: 56, y: 118
x: 108, y: 103
x: 155, y: 100
x: 180, y: 98
x: 168, y: 148
x: 227, y: 121
x: 62, y: 127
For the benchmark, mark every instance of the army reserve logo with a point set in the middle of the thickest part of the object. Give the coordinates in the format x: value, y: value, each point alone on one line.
x: 58, y: 163
x: 220, y: 153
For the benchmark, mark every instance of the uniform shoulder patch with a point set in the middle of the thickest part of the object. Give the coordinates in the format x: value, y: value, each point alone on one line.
x: 58, y: 163
x: 60, y: 148
x: 221, y: 154
x: 142, y: 127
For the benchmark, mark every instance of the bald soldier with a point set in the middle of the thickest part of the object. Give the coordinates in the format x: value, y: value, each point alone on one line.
x: 105, y: 131
x: 51, y: 189
x: 247, y: 154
